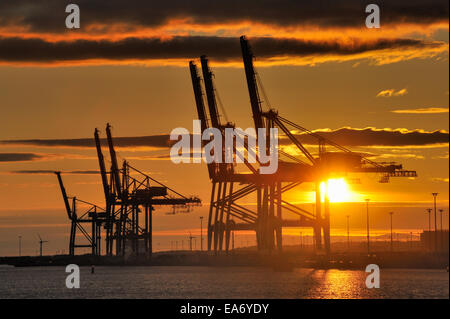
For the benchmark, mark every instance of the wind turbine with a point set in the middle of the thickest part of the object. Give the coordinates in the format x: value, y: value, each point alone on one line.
x: 40, y: 244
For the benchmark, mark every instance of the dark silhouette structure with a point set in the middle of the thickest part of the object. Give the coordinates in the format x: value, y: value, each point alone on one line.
x: 92, y: 216
x: 229, y: 186
x: 129, y: 194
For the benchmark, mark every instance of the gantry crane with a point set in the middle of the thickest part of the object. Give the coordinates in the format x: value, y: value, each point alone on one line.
x: 92, y: 214
x: 129, y: 192
x: 267, y: 220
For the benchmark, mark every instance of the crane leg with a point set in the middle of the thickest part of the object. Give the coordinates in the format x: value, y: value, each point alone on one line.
x: 73, y: 229
x: 326, y: 226
x: 211, y: 206
x: 221, y: 221
x: 227, y: 223
x: 279, y: 218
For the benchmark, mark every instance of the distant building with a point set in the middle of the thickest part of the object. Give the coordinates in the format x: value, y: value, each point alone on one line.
x: 435, y: 240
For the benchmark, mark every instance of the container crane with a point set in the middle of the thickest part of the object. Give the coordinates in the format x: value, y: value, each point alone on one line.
x: 92, y: 214
x: 267, y: 220
x: 129, y: 193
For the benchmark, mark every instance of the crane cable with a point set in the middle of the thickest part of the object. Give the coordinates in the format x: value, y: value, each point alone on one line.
x: 258, y: 79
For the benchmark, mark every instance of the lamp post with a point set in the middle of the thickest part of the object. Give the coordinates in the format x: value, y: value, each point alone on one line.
x: 301, y: 240
x: 429, y: 218
x: 435, y: 222
x: 201, y: 233
x: 411, y: 239
x: 348, y: 232
x: 20, y: 246
x: 368, y: 233
x: 441, y: 233
x: 392, y: 238
x: 435, y: 218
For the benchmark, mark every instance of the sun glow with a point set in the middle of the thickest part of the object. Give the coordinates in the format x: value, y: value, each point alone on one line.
x: 337, y: 189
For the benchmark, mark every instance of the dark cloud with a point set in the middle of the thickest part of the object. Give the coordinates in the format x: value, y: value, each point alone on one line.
x: 49, y: 15
x: 342, y: 136
x: 19, y: 157
x: 375, y: 137
x: 189, y: 47
x: 138, y: 141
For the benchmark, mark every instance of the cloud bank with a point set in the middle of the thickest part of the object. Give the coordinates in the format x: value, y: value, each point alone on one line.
x: 346, y: 136
x: 49, y: 15
x: 219, y: 49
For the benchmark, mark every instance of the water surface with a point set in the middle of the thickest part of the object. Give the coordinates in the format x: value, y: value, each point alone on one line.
x: 220, y: 282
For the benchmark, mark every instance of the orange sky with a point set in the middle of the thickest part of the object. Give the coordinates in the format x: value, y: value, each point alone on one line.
x: 324, y: 75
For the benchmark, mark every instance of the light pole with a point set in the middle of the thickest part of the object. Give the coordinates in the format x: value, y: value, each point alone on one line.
x: 20, y: 246
x: 201, y: 233
x: 301, y: 240
x: 232, y: 241
x: 435, y: 218
x: 392, y: 238
x: 429, y: 218
x: 348, y: 232
x: 368, y: 233
x: 441, y: 233
x: 447, y: 221
x: 411, y: 239
x: 435, y: 221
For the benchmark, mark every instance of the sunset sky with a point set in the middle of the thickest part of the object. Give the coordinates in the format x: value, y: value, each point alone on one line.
x: 379, y: 91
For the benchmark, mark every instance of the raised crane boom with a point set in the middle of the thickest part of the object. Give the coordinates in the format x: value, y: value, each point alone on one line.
x: 101, y: 163
x: 198, y: 96
x: 198, y: 93
x: 115, y: 166
x: 250, y: 74
x: 210, y: 95
x: 64, y: 195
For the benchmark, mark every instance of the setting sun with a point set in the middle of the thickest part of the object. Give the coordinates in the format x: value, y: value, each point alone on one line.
x: 338, y: 190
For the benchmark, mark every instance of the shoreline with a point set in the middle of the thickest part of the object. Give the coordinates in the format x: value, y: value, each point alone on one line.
x: 277, y: 261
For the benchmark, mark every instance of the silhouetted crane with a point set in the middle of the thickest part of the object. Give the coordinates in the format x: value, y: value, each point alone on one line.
x: 91, y: 214
x: 129, y: 194
x: 266, y: 220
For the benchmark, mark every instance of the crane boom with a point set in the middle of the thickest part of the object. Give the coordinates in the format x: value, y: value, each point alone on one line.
x: 255, y: 102
x: 115, y: 166
x: 210, y: 95
x: 101, y: 162
x: 198, y: 96
x: 198, y: 93
x: 64, y: 195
